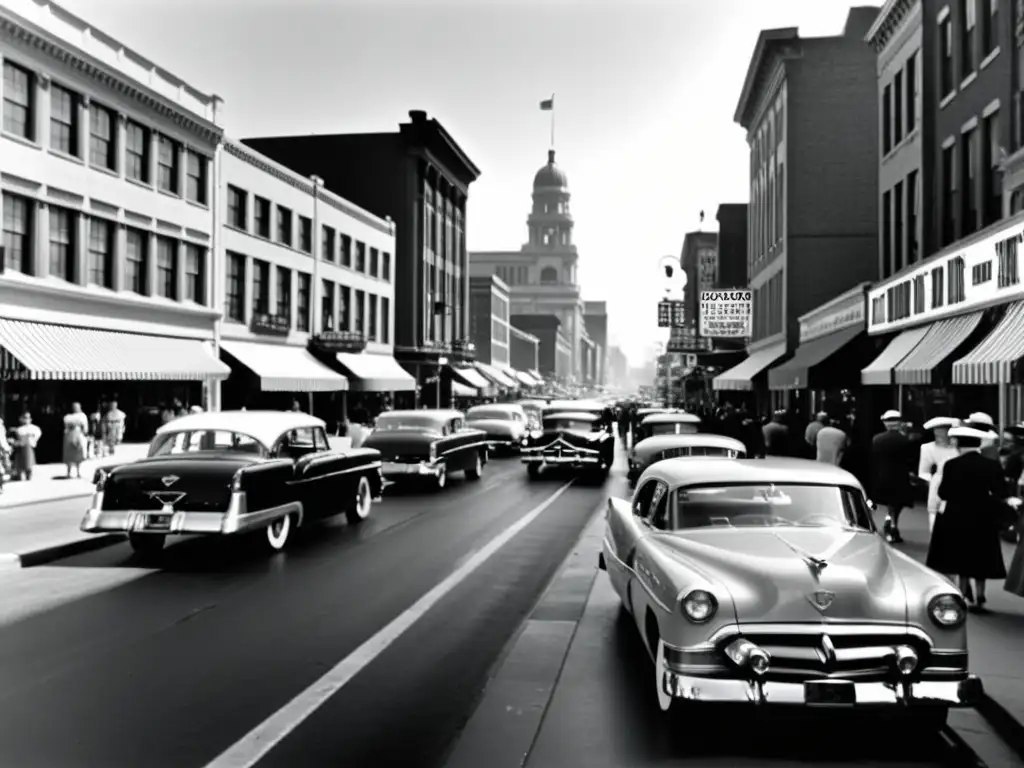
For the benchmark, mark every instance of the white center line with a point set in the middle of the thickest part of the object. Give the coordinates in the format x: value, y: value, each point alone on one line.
x: 252, y: 747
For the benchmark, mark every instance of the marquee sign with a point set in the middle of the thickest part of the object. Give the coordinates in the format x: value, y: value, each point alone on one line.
x: 726, y: 314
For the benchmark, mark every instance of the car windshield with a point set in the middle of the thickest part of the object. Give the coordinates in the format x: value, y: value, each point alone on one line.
x: 672, y: 428
x: 701, y: 450
x: 570, y: 425
x: 409, y: 422
x: 819, y: 506
x: 205, y: 441
x: 490, y: 414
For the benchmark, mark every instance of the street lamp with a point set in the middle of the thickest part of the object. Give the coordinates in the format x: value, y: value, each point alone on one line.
x: 670, y: 264
x: 441, y: 363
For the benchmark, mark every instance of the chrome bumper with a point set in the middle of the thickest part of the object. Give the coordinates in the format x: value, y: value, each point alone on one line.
x: 393, y: 470
x: 558, y: 460
x: 953, y: 693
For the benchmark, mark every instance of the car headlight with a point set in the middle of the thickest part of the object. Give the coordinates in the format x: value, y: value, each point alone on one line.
x: 525, y: 441
x: 699, y: 606
x: 947, y: 610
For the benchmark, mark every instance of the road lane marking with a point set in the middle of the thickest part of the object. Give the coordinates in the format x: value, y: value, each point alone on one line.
x: 255, y: 745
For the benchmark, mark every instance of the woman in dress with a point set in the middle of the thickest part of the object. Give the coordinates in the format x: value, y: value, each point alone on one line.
x: 76, y: 440
x: 965, y: 542
x: 933, y: 456
x: 26, y: 437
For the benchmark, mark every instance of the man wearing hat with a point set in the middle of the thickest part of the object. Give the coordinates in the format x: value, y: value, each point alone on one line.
x: 934, y: 456
x: 984, y: 423
x: 776, y: 436
x: 892, y: 463
x: 811, y: 433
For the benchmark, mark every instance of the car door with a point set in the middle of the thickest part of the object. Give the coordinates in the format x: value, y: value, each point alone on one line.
x: 627, y: 524
x: 461, y: 437
x: 300, y: 445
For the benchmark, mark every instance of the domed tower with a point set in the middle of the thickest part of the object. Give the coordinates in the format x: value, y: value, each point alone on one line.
x: 550, y: 223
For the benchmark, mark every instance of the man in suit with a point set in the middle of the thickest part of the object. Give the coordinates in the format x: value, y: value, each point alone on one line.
x: 776, y: 436
x: 892, y: 462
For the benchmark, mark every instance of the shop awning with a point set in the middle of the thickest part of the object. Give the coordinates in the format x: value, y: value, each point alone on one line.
x: 1003, y: 347
x: 285, y: 368
x: 461, y: 390
x: 496, y: 376
x: 510, y: 372
x: 880, y: 371
x: 375, y: 373
x: 43, y: 352
x: 740, y: 377
x: 941, y: 341
x: 526, y: 379
x: 536, y: 374
x: 795, y: 373
x: 472, y: 378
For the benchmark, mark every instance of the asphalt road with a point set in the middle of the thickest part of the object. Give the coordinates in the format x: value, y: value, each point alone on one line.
x: 171, y: 667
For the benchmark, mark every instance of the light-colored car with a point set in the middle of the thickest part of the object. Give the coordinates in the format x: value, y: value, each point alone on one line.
x: 505, y: 424
x: 664, y: 436
x: 765, y: 582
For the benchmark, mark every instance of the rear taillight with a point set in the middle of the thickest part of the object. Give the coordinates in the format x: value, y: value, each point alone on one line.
x: 100, y: 479
x: 236, y: 482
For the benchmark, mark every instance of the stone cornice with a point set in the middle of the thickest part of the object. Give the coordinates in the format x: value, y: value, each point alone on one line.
x: 32, y: 37
x: 888, y: 23
x: 762, y: 64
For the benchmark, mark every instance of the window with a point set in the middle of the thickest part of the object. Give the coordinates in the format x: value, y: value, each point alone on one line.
x: 897, y: 229
x: 345, y: 309
x: 18, y: 101
x: 385, y: 266
x: 236, y: 207
x: 913, y: 201
x: 969, y: 188
x: 886, y: 120
x: 101, y: 253
x: 284, y: 225
x: 167, y: 164
x: 989, y: 26
x: 63, y: 120
x: 306, y: 234
x: 135, y: 261
x: 62, y: 251
x: 284, y: 293
x: 326, y: 306
x: 374, y: 262
x: 991, y: 174
x: 136, y: 160
x: 234, y: 287
x: 981, y: 273
x: 195, y: 273
x: 327, y: 244
x: 102, y: 146
x: 166, y: 273
x: 195, y: 177
x: 359, y: 315
x: 385, y: 319
x: 372, y: 332
x: 260, y: 287
x: 913, y: 92
x: 897, y: 108
x: 1009, y: 266
x: 302, y: 303
x: 956, y: 280
x: 948, y: 193
x: 968, y: 14
x: 360, y: 257
x: 549, y: 275
x: 938, y: 294
x: 945, y: 57
x: 346, y: 251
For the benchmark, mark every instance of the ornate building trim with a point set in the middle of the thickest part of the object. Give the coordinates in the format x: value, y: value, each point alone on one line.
x: 772, y: 45
x: 888, y: 23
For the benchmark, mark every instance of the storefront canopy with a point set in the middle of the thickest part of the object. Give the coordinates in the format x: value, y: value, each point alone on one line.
x: 285, y: 368
x: 526, y: 379
x: 796, y: 373
x: 740, y: 377
x: 375, y: 373
x: 1001, y: 349
x: 942, y: 340
x: 461, y: 390
x: 879, y: 372
x: 471, y: 377
x: 496, y: 376
x: 40, y: 351
x: 536, y: 374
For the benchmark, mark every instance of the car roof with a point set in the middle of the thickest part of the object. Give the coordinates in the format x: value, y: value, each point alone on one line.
x: 496, y: 407
x: 685, y: 472
x: 436, y: 414
x: 700, y: 439
x: 576, y: 406
x: 265, y: 426
x: 671, y: 418
x: 574, y: 415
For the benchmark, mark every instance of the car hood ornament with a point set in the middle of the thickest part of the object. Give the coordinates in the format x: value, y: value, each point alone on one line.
x: 822, y: 599
x: 169, y: 480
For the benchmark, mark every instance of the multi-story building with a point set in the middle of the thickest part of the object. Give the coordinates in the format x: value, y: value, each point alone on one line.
x: 490, y: 330
x: 109, y: 218
x: 524, y: 352
x: 618, y: 368
x: 732, y: 245
x: 420, y: 178
x: 308, y: 289
x: 595, y: 318
x: 805, y: 247
x: 555, y: 350
x: 699, y: 260
x: 1013, y: 163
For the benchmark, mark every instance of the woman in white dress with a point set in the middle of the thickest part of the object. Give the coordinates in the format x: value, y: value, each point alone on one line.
x: 933, y: 456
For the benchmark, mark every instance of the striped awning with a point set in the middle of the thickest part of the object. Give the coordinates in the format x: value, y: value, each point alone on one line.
x: 527, y: 380
x: 1003, y: 347
x: 46, y: 352
x: 375, y: 373
x: 942, y: 340
x: 285, y: 368
x: 461, y: 390
x: 471, y: 377
x: 496, y: 376
x: 879, y: 372
x: 536, y: 374
x: 740, y: 377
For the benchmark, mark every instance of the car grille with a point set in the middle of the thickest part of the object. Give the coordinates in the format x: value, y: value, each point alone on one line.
x: 136, y: 495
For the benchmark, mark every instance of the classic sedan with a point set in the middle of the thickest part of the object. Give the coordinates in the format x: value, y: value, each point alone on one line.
x: 504, y: 424
x: 659, y: 447
x: 767, y: 583
x: 532, y: 409
x: 428, y: 445
x: 577, y: 440
x: 233, y: 472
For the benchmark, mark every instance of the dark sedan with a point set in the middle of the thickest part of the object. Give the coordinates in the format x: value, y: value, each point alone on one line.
x: 575, y: 440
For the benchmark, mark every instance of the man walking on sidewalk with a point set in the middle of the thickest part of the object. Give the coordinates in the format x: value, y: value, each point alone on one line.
x: 891, y: 467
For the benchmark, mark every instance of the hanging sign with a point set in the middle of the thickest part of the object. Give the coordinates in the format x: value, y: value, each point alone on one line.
x: 726, y: 314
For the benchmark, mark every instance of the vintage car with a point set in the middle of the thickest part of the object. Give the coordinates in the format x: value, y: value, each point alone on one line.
x: 503, y: 423
x: 428, y: 445
x: 233, y: 472
x: 766, y: 582
x: 532, y: 409
x: 571, y: 439
x: 658, y: 447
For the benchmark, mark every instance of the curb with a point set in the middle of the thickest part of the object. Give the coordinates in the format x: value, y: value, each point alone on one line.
x: 1006, y: 726
x: 4, y: 507
x: 59, y: 551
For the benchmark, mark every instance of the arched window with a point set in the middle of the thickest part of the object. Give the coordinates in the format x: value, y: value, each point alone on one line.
x: 549, y: 275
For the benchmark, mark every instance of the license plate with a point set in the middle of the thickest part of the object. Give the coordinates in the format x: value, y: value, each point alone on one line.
x: 394, y: 468
x: 836, y: 692
x: 158, y: 521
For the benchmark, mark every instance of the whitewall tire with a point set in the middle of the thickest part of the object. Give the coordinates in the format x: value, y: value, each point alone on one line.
x: 278, y: 532
x: 363, y: 503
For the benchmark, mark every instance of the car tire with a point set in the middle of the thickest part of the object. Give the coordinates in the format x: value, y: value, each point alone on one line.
x: 147, y: 544
x: 441, y: 480
x: 477, y: 470
x: 278, y: 532
x: 360, y: 510
x: 533, y: 471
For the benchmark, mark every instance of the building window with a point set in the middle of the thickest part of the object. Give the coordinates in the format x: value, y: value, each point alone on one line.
x: 101, y: 253
x: 63, y: 120
x: 234, y: 287
x: 284, y: 293
x: 167, y: 164
x: 62, y: 245
x: 345, y: 308
x: 327, y: 244
x: 887, y: 265
x: 897, y: 229
x: 261, y: 216
x: 385, y: 319
x: 284, y: 225
x: 18, y: 101
x: 302, y: 303
x: 166, y: 274
x: 956, y: 282
x: 326, y: 306
x: 945, y: 57
x: 102, y: 145
x: 195, y: 177
x: 374, y: 262
x: 372, y: 332
x: 360, y: 257
x: 948, y: 194
x: 989, y: 26
x: 359, y: 325
x: 897, y: 108
x: 968, y: 13
x: 886, y: 120
x: 346, y: 251
x: 780, y: 201
x: 969, y: 190
x: 549, y: 275
x: 136, y: 161
x: 938, y: 292
x: 306, y: 234
x: 385, y: 266
x: 260, y: 287
x: 991, y: 175
x: 236, y: 207
x: 913, y: 92
x: 135, y: 261
x: 913, y: 201
x: 195, y: 273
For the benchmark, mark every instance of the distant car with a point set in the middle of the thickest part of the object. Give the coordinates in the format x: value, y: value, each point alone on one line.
x: 580, y: 440
x: 766, y: 582
x: 428, y: 445
x: 503, y: 423
x: 532, y: 409
x: 233, y: 472
x: 670, y: 446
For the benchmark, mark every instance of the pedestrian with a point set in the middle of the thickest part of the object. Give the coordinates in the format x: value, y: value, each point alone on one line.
x: 830, y: 441
x: 76, y: 440
x: 96, y: 431
x: 776, y: 435
x: 5, y: 455
x: 26, y: 438
x: 933, y: 458
x: 112, y: 428
x: 965, y: 542
x: 983, y: 422
x: 811, y: 433
x: 891, y: 467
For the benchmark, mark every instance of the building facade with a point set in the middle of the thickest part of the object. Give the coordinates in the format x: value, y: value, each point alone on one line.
x: 489, y: 320
x: 524, y: 352
x: 618, y: 368
x: 732, y: 245
x: 699, y: 259
x: 109, y: 218
x: 1013, y: 163
x: 554, y: 349
x: 595, y: 318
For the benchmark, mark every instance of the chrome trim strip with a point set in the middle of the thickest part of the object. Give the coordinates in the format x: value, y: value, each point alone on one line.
x: 350, y: 470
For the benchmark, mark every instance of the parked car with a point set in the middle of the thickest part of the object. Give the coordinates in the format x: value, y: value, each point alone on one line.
x: 503, y: 423
x: 428, y: 445
x: 766, y: 582
x: 233, y: 472
x: 580, y: 440
x: 659, y: 447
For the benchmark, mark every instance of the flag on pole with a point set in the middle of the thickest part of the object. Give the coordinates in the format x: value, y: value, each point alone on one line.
x: 548, y: 104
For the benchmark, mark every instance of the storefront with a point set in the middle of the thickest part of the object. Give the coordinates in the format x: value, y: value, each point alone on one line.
x: 503, y: 383
x: 748, y: 377
x: 470, y: 378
